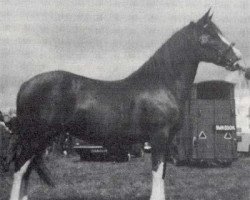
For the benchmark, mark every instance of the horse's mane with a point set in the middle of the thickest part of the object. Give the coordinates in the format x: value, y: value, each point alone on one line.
x: 161, y: 62
x: 215, y: 27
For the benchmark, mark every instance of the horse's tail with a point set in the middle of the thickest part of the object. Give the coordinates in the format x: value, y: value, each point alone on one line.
x: 13, y: 125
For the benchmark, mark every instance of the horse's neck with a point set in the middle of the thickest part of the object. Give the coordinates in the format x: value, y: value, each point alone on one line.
x: 183, y: 84
x: 172, y: 67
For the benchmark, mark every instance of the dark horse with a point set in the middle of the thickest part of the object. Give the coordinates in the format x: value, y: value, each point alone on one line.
x: 145, y: 106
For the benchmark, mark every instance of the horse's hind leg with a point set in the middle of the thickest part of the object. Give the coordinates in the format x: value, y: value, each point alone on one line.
x: 25, y: 183
x: 38, y: 165
x: 158, y: 143
x: 21, y: 177
x: 18, y: 179
x: 43, y: 171
x: 26, y: 152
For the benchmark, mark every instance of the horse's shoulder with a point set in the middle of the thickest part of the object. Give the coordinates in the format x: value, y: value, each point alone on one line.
x: 158, y: 98
x: 157, y: 106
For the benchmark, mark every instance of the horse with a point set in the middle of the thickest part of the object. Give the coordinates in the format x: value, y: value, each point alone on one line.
x: 147, y: 105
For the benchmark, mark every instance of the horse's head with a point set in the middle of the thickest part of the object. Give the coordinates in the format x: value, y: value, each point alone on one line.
x: 212, y: 45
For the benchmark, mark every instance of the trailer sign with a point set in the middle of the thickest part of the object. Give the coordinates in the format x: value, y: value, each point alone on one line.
x: 225, y: 128
x: 202, y: 135
x: 228, y: 136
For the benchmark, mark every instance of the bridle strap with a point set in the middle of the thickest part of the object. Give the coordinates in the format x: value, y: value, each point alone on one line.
x: 222, y: 55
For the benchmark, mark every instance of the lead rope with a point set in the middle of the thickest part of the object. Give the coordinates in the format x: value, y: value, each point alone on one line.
x: 243, y: 85
x: 244, y: 61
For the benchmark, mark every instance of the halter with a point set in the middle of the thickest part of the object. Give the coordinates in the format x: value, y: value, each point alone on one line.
x: 222, y: 54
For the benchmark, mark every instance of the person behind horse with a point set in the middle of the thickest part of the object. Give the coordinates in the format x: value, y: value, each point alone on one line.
x: 5, y: 135
x: 12, y: 125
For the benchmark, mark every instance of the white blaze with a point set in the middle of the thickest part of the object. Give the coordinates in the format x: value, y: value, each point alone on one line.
x: 235, y: 50
x: 158, y: 192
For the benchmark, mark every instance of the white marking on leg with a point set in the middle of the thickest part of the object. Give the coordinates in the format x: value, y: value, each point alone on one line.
x: 158, y: 188
x: 16, y: 186
x: 17, y: 182
x: 235, y: 50
x: 129, y: 157
x: 25, y: 197
x: 46, y: 152
x: 24, y: 190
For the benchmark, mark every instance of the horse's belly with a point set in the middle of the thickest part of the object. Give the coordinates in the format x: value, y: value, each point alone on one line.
x: 94, y: 124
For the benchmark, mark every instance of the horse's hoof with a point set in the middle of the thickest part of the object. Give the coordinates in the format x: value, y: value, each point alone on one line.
x: 25, y: 197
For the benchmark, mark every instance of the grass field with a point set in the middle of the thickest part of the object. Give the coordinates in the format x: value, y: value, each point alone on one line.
x: 132, y: 181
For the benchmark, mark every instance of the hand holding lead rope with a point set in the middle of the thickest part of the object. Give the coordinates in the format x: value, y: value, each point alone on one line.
x: 244, y: 69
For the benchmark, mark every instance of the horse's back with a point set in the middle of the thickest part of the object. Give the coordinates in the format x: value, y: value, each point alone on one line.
x: 44, y: 95
x: 61, y: 97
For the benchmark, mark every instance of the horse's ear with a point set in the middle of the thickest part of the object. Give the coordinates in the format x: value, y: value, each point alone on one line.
x: 203, y: 21
x: 210, y: 17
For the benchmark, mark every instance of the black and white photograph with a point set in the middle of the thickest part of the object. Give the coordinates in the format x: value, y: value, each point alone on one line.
x: 124, y: 100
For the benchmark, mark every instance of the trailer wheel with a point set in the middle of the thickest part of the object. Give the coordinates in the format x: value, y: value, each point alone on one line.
x: 226, y: 164
x: 121, y: 157
x: 84, y: 156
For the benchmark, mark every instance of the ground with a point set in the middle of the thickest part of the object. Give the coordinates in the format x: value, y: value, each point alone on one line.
x: 131, y: 180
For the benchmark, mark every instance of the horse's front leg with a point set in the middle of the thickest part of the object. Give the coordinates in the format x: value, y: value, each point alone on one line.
x: 158, y: 143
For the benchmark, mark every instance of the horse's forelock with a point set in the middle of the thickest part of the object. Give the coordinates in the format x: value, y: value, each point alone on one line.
x: 210, y: 26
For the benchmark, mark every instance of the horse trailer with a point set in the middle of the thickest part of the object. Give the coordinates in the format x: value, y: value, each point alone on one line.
x: 209, y: 128
x: 243, y: 147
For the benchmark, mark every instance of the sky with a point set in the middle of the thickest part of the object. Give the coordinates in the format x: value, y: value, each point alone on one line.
x: 103, y: 39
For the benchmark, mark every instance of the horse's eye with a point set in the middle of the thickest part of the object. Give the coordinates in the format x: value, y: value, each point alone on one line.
x: 204, y: 39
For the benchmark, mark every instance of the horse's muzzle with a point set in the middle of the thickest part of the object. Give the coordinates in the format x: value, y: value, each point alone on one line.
x: 247, y: 73
x: 237, y: 66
